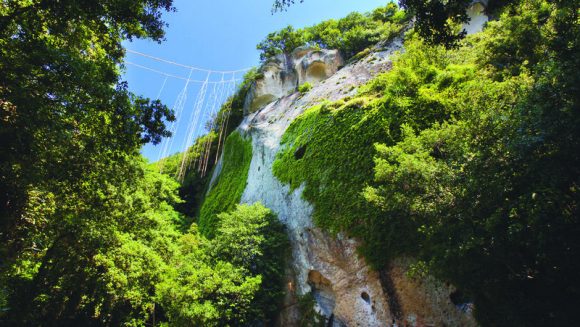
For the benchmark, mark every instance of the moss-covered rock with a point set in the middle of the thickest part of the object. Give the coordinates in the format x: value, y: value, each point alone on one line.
x: 225, y: 194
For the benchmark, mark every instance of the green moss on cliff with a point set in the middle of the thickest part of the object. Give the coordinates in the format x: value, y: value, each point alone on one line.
x: 228, y: 189
x: 330, y: 149
x: 475, y: 169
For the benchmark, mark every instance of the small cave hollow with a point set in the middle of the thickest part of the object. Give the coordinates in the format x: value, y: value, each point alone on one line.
x: 322, y: 292
x: 366, y: 297
x: 261, y: 101
x: 316, y: 71
x: 300, y: 152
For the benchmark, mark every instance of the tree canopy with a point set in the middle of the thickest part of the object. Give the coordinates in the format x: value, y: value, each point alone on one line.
x: 437, y: 21
x: 90, y: 234
x: 351, y: 34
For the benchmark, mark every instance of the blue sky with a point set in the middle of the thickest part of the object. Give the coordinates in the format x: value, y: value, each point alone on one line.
x: 217, y: 35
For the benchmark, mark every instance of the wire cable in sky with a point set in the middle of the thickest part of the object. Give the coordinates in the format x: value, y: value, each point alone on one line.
x: 171, y: 75
x: 185, y: 66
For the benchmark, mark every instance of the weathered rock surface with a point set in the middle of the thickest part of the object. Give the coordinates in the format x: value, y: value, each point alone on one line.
x: 281, y: 75
x: 347, y: 291
x: 313, y: 66
x: 278, y: 80
x: 326, y: 266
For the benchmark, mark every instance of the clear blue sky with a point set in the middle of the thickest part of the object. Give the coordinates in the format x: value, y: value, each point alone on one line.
x: 217, y: 35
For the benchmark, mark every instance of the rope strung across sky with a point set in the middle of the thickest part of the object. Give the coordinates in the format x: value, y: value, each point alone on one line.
x: 204, y: 112
x: 186, y: 66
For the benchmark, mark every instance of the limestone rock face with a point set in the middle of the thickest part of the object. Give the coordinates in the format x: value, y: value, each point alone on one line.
x: 278, y: 79
x: 313, y: 66
x: 281, y: 75
x: 345, y: 289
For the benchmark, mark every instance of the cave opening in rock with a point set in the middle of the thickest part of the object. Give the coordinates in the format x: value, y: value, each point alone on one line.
x: 366, y: 297
x: 316, y: 71
x: 457, y: 297
x: 322, y: 292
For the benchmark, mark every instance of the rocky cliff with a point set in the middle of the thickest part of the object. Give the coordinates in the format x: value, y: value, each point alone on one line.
x: 345, y: 289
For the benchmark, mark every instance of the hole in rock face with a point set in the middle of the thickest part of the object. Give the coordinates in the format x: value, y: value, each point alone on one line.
x: 322, y: 292
x: 299, y: 153
x: 365, y: 296
x: 316, y: 71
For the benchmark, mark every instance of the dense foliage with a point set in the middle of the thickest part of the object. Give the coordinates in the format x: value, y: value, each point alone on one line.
x: 70, y: 173
x: 466, y: 159
x: 225, y: 193
x: 90, y: 232
x: 102, y: 262
x: 233, y: 279
x: 476, y: 163
x: 437, y: 21
x: 193, y: 186
x: 65, y: 111
x: 350, y: 34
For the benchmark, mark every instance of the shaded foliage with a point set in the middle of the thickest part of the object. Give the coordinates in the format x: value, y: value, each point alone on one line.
x: 90, y: 236
x: 475, y: 168
x: 437, y: 21
x: 205, y: 149
x: 65, y: 110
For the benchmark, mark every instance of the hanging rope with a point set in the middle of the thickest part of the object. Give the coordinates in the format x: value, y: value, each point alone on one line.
x: 213, y: 110
x: 220, y: 93
x: 162, y: 87
x: 167, y: 74
x: 178, y: 109
x: 214, y: 119
x: 195, y: 123
x: 207, y: 142
x: 225, y: 117
x: 192, y: 127
x: 217, y: 98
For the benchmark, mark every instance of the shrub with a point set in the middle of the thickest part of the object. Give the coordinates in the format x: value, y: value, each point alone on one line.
x: 305, y: 87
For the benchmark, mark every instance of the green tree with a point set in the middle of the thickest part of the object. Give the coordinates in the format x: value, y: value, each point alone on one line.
x: 201, y: 290
x: 252, y: 237
x: 64, y: 108
x: 492, y: 192
x: 437, y: 21
x: 281, y: 42
x: 99, y: 264
x: 350, y: 34
x: 476, y: 163
x: 70, y: 174
x: 234, y: 279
